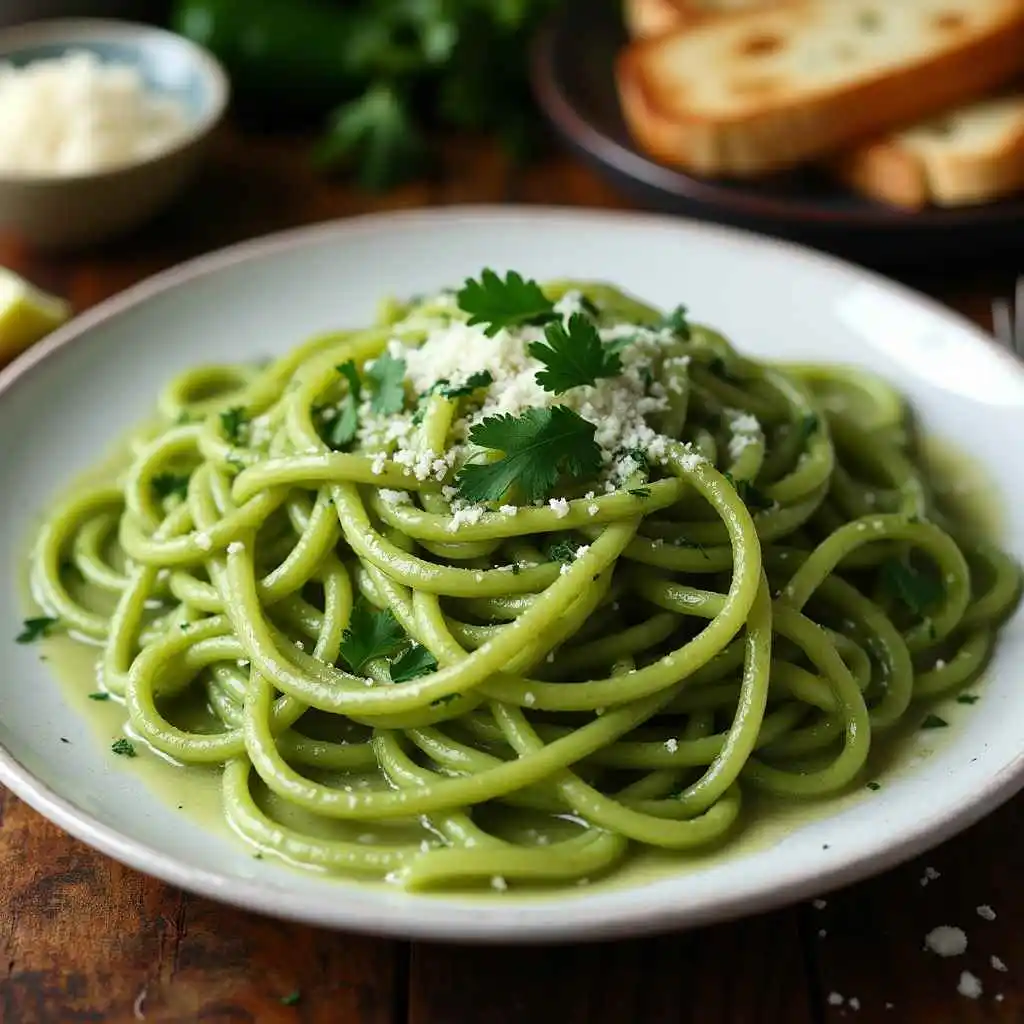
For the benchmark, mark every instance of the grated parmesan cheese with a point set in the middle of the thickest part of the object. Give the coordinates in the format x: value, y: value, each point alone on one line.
x: 76, y: 115
x: 946, y: 940
x: 969, y: 985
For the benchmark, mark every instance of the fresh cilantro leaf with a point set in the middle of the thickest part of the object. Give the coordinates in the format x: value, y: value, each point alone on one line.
x: 123, y: 747
x: 370, y: 634
x: 387, y: 375
x: 934, y: 722
x: 509, y: 303
x: 640, y: 492
x: 293, y: 998
x: 563, y: 551
x: 167, y: 484
x: 967, y: 698
x: 35, y: 629
x: 475, y: 381
x: 808, y: 427
x: 573, y: 357
x: 753, y: 498
x: 916, y: 590
x: 413, y: 662
x: 100, y: 695
x: 234, y: 421
x: 539, y: 446
x: 677, y: 322
x: 376, y: 134
x: 343, y: 428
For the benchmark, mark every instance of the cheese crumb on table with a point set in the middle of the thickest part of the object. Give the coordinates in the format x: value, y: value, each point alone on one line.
x: 970, y: 985
x: 946, y: 940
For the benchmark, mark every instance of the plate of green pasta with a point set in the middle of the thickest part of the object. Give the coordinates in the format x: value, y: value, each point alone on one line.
x: 512, y: 575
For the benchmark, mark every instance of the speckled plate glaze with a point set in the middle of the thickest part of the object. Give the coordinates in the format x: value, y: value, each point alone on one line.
x: 68, y: 399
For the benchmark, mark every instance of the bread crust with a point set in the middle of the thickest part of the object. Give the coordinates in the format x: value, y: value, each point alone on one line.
x: 893, y: 172
x: 761, y: 138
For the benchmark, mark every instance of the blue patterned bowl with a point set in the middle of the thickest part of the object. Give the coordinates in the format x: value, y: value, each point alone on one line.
x: 63, y: 211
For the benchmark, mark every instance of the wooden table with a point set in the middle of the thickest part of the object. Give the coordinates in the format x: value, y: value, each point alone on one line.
x: 84, y: 939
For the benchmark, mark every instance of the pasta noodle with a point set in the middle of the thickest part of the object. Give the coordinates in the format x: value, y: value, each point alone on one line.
x: 743, y: 594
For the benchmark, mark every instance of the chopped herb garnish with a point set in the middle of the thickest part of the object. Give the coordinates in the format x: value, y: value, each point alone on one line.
x: 913, y: 588
x: 563, y: 551
x: 475, y: 381
x: 753, y: 498
x: 934, y: 722
x: 573, y: 357
x: 808, y: 426
x: 387, y: 376
x: 677, y: 322
x: 342, y: 430
x: 968, y: 698
x: 413, y: 662
x: 538, y: 447
x: 167, y: 484
x: 640, y: 492
x: 682, y: 542
x: 234, y: 422
x: 99, y: 695
x: 293, y: 998
x: 370, y: 634
x: 874, y: 786
x: 123, y: 747
x: 35, y: 629
x: 504, y: 303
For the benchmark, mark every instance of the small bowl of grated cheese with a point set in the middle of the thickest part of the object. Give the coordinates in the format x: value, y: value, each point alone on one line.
x: 102, y: 123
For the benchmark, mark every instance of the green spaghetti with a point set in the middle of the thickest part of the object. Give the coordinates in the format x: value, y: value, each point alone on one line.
x: 542, y: 571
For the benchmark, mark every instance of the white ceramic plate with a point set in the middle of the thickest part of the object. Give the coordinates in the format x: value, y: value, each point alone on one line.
x: 63, y: 403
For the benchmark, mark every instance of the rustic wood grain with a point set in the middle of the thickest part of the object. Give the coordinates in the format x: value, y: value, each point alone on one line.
x: 83, y: 939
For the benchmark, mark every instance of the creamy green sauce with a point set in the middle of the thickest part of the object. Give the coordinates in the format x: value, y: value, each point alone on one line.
x: 196, y: 792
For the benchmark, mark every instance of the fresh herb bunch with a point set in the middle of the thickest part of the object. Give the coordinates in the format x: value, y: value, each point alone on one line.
x: 394, y: 68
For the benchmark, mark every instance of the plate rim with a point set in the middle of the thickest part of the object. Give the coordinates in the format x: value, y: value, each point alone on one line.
x: 588, y: 137
x: 410, y: 917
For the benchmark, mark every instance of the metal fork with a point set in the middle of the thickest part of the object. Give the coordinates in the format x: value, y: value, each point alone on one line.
x: 1008, y: 321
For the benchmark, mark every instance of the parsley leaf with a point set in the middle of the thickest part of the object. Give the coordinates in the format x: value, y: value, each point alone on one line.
x: 167, y: 484
x: 573, y: 357
x: 99, y: 695
x: 563, y: 551
x: 475, y: 381
x: 234, y: 421
x: 388, y: 377
x: 538, y: 446
x: 934, y: 722
x: 753, y: 498
x: 917, y: 590
x: 507, y: 303
x: 874, y: 786
x: 35, y: 629
x: 343, y: 429
x: 640, y: 492
x: 677, y: 322
x: 413, y: 662
x: 370, y: 634
x: 123, y: 747
x: 967, y: 698
x: 376, y: 133
x: 808, y: 427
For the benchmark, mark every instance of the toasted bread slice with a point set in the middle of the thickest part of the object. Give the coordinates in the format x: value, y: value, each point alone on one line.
x: 646, y: 18
x: 972, y: 154
x: 749, y: 93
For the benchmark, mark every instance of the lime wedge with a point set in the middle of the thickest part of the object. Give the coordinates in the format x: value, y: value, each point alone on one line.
x: 26, y: 314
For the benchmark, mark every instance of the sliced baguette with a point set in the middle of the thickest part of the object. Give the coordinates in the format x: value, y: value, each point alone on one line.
x: 748, y: 93
x: 972, y: 154
x: 647, y: 18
